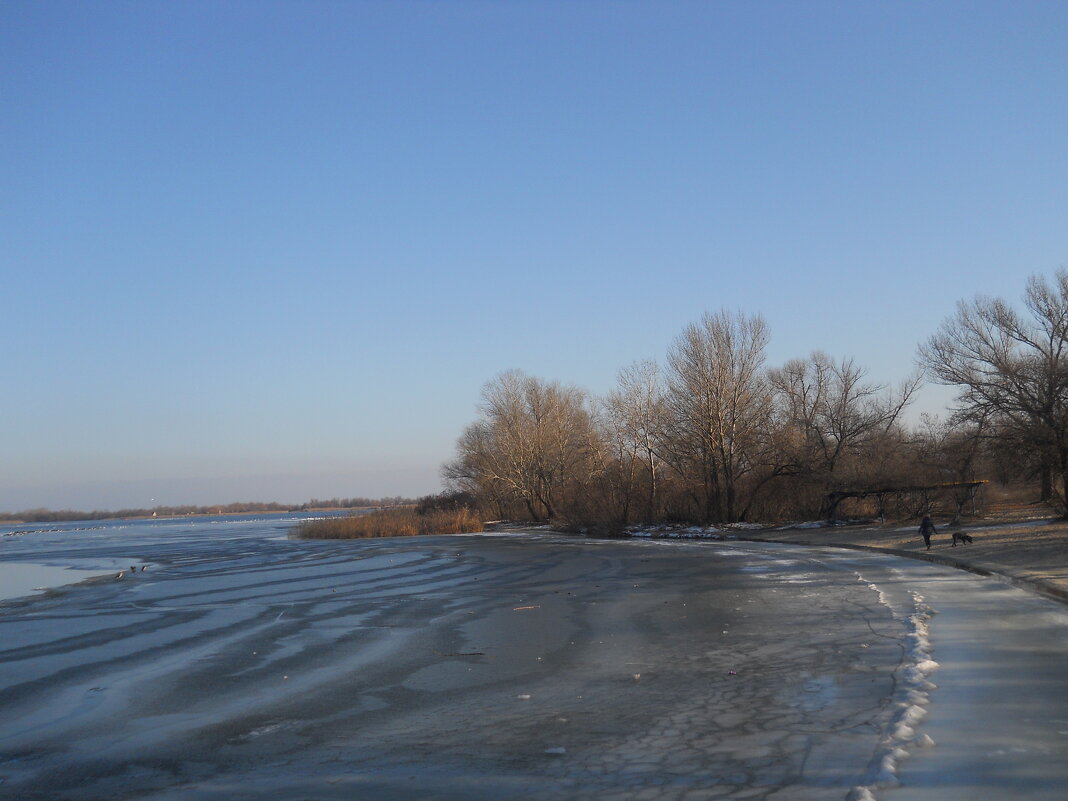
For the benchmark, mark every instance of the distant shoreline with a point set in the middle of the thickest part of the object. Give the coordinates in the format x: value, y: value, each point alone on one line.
x: 142, y: 515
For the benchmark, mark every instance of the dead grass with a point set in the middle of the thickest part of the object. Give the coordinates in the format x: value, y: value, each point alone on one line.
x: 391, y: 523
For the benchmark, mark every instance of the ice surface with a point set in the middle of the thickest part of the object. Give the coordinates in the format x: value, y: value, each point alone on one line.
x: 342, y: 669
x: 245, y: 664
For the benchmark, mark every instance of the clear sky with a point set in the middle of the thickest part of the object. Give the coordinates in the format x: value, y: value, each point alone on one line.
x: 273, y: 250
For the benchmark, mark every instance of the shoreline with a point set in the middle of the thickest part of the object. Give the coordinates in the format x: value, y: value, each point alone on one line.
x: 1053, y: 588
x: 1031, y: 554
x: 193, y: 515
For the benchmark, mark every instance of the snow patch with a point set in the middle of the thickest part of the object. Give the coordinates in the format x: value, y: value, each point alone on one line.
x: 670, y: 533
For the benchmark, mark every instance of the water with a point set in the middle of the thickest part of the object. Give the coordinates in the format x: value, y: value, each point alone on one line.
x: 242, y: 664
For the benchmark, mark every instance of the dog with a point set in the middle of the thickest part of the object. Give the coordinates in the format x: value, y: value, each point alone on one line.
x: 960, y: 536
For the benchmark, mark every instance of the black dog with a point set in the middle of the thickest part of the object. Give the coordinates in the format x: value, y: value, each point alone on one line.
x: 962, y: 538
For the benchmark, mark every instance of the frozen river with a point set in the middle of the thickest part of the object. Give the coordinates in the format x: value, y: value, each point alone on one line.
x: 243, y: 665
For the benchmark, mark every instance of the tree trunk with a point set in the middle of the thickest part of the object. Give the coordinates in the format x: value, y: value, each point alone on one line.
x: 729, y: 511
x: 1046, y: 477
x: 652, y: 489
x: 1063, y: 453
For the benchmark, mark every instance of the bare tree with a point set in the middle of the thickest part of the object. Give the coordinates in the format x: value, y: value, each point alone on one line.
x: 1012, y: 369
x: 632, y: 418
x: 532, y: 439
x: 475, y: 470
x: 949, y: 451
x: 828, y: 411
x: 717, y: 403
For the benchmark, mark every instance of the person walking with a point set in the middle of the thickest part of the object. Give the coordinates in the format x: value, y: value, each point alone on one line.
x: 926, y: 530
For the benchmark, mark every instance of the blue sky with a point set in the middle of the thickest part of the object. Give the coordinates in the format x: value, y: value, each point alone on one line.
x: 269, y: 251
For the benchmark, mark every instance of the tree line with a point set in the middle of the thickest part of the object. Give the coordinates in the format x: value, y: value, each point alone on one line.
x: 251, y: 507
x: 716, y: 435
x: 358, y: 502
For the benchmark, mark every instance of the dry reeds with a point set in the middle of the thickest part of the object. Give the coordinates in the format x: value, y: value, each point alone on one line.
x: 391, y: 523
